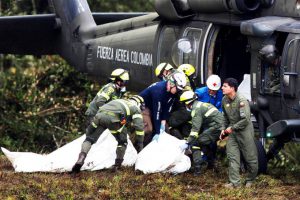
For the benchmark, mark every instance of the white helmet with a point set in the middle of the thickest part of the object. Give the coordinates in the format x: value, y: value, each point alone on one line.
x: 213, y: 82
x: 178, y: 79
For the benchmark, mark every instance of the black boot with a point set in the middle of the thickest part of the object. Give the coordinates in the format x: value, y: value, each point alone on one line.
x: 117, y: 165
x: 76, y: 168
x: 197, y: 170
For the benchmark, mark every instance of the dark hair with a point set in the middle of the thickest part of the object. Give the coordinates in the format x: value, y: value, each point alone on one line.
x: 232, y: 82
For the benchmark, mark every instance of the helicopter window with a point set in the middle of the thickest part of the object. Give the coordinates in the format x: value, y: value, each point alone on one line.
x: 168, y: 37
x: 185, y: 50
x: 289, y: 66
x: 271, y: 76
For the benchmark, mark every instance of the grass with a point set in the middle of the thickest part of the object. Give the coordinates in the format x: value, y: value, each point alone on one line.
x: 129, y: 184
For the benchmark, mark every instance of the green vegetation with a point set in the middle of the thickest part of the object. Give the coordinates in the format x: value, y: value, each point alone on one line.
x: 129, y: 184
x: 42, y: 107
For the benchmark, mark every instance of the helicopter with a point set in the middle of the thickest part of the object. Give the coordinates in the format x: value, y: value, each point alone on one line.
x: 224, y: 37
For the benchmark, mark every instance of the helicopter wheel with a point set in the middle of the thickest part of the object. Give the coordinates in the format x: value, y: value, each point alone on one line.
x: 261, y: 157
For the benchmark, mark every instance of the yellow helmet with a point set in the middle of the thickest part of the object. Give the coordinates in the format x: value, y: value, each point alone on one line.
x: 121, y: 74
x: 161, y: 68
x: 138, y: 100
x: 188, y: 69
x: 188, y: 97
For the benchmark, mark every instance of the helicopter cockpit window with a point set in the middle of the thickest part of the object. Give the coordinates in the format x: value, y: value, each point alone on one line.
x: 270, y: 62
x: 185, y: 50
x: 168, y: 37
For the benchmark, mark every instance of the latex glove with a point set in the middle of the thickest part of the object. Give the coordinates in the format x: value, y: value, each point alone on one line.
x: 155, y: 137
x: 162, y: 128
x: 184, y: 146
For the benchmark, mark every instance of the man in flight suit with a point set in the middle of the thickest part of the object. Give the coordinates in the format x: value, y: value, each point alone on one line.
x: 116, y: 115
x: 206, y: 127
x: 112, y: 90
x: 238, y: 126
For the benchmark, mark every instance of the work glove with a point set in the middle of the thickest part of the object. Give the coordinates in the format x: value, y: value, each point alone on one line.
x: 139, y: 146
x: 155, y: 138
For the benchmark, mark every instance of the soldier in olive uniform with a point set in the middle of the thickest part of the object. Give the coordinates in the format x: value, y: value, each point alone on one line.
x: 116, y: 116
x: 112, y: 90
x: 206, y: 126
x: 238, y: 126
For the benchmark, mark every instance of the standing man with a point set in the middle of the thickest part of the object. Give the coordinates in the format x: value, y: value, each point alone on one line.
x: 116, y: 115
x: 206, y: 127
x: 211, y: 93
x: 159, y: 98
x: 238, y: 126
x: 113, y: 90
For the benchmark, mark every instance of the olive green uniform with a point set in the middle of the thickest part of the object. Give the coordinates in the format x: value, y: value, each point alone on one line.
x: 237, y: 116
x: 206, y: 128
x: 116, y: 115
x: 107, y: 93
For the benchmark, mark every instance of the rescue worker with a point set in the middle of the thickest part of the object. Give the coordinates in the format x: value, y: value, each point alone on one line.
x: 163, y: 70
x: 211, y: 93
x: 159, y: 98
x: 189, y: 71
x: 206, y: 126
x: 239, y: 128
x: 116, y: 115
x: 112, y: 90
x: 179, y: 119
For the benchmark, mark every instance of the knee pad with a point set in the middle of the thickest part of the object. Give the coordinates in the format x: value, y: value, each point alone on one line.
x: 90, y: 139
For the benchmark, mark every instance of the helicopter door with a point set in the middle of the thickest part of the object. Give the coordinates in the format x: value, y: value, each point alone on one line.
x: 188, y: 47
x: 290, y: 66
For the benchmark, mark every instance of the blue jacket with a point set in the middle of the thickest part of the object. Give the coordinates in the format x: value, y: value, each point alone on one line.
x: 159, y: 101
x: 203, y: 95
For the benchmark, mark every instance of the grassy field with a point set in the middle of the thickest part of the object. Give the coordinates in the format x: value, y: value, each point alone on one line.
x: 129, y: 184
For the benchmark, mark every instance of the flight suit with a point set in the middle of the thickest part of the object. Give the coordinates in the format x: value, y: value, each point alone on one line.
x: 206, y: 128
x: 117, y: 115
x: 237, y: 116
x: 107, y: 93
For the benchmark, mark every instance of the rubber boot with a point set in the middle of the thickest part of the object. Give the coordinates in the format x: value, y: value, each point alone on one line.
x: 76, y: 168
x: 197, y: 170
x: 117, y: 165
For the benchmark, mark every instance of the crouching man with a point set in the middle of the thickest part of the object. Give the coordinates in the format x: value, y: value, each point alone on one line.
x: 206, y: 127
x: 116, y: 116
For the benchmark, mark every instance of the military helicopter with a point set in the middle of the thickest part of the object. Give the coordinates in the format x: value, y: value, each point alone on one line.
x: 225, y: 37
